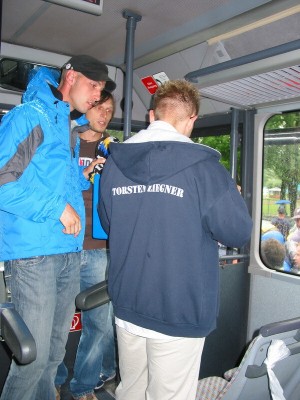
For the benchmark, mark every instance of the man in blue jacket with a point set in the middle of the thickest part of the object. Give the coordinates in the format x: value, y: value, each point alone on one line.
x: 42, y: 214
x: 166, y: 203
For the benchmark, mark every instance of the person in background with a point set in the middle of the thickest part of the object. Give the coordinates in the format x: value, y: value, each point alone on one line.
x: 296, y: 267
x: 271, y: 237
x: 42, y: 214
x: 295, y: 231
x: 96, y: 350
x: 166, y: 202
x: 293, y: 239
x: 281, y: 222
x: 273, y: 234
x: 273, y: 253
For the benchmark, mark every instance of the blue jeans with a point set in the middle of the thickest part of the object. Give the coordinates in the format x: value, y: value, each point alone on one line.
x: 43, y: 290
x: 96, y: 349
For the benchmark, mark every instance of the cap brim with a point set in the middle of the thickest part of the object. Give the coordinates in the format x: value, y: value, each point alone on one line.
x: 110, y: 86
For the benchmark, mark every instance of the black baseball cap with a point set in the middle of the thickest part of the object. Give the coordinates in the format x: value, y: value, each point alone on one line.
x: 92, y: 69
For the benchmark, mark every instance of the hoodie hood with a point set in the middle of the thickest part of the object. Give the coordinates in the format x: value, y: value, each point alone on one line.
x: 149, y: 162
x: 39, y: 81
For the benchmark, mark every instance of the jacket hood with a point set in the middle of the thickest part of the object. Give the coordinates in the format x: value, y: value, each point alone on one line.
x: 39, y: 81
x: 146, y: 163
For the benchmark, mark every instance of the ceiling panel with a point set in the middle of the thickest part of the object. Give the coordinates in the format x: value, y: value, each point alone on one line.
x: 164, y: 25
x: 253, y: 91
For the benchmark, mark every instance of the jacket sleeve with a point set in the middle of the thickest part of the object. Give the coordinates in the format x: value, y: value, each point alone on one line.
x: 228, y: 218
x: 20, y: 195
x: 83, y: 182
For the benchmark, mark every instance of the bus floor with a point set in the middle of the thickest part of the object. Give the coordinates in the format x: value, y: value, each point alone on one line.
x: 105, y: 393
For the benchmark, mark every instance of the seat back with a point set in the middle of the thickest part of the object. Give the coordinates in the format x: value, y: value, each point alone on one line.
x: 250, y: 381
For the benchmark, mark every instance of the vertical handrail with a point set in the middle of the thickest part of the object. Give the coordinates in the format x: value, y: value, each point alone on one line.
x: 247, y: 157
x: 234, y: 141
x: 132, y: 19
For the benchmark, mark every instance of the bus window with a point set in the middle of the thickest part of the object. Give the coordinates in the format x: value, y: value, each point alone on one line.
x: 14, y: 73
x: 220, y: 143
x: 117, y: 134
x: 280, y: 223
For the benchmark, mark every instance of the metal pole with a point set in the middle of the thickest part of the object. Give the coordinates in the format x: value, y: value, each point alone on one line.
x: 234, y: 138
x: 249, y: 58
x: 247, y: 157
x: 234, y: 141
x: 132, y: 19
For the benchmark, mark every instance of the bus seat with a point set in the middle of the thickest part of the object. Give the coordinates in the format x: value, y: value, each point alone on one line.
x: 252, y: 379
x: 92, y: 297
x: 16, y: 334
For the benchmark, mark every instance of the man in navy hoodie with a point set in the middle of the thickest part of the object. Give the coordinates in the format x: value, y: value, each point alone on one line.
x: 166, y: 202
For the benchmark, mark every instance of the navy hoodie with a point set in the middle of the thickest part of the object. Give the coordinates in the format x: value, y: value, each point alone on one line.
x: 165, y: 206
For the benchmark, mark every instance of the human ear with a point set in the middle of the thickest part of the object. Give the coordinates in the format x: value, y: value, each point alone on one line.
x: 71, y: 77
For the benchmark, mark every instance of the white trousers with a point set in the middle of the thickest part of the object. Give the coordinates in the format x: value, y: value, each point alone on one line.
x: 158, y: 369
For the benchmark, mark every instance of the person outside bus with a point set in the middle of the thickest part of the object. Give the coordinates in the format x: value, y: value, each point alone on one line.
x: 166, y: 202
x: 42, y: 214
x: 281, y: 222
x: 96, y: 349
x: 273, y: 253
x: 296, y: 267
x: 293, y: 239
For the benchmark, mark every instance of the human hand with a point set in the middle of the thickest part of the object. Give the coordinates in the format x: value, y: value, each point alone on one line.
x: 71, y: 221
x: 89, y: 170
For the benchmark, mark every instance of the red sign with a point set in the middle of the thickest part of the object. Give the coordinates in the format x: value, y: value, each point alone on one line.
x: 150, y: 84
x: 76, y: 322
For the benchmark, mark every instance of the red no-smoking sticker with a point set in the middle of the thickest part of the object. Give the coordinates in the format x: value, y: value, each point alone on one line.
x: 150, y: 84
x: 76, y: 322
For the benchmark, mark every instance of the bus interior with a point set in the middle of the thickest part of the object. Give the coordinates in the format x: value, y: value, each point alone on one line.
x: 244, y: 57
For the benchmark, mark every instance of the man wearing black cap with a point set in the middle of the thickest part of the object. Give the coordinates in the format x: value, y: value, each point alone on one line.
x: 91, y: 69
x: 42, y: 214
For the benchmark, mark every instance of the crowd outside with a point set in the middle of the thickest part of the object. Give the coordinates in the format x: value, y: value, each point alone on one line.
x: 286, y: 233
x: 95, y: 361
x: 42, y: 214
x: 166, y: 203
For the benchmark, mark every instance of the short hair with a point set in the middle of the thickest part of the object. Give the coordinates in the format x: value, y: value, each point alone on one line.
x: 178, y: 97
x: 281, y: 210
x: 272, y: 253
x: 63, y: 75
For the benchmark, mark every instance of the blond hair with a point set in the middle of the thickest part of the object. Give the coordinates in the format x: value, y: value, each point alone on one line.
x: 178, y: 97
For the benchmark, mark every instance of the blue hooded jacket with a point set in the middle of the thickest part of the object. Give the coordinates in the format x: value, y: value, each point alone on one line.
x: 39, y: 174
x: 165, y: 206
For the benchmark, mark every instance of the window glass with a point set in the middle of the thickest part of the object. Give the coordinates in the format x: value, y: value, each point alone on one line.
x: 220, y: 143
x: 14, y: 73
x: 117, y: 134
x: 280, y: 226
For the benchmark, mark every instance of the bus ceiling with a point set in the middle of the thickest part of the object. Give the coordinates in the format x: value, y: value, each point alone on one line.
x: 174, y: 37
